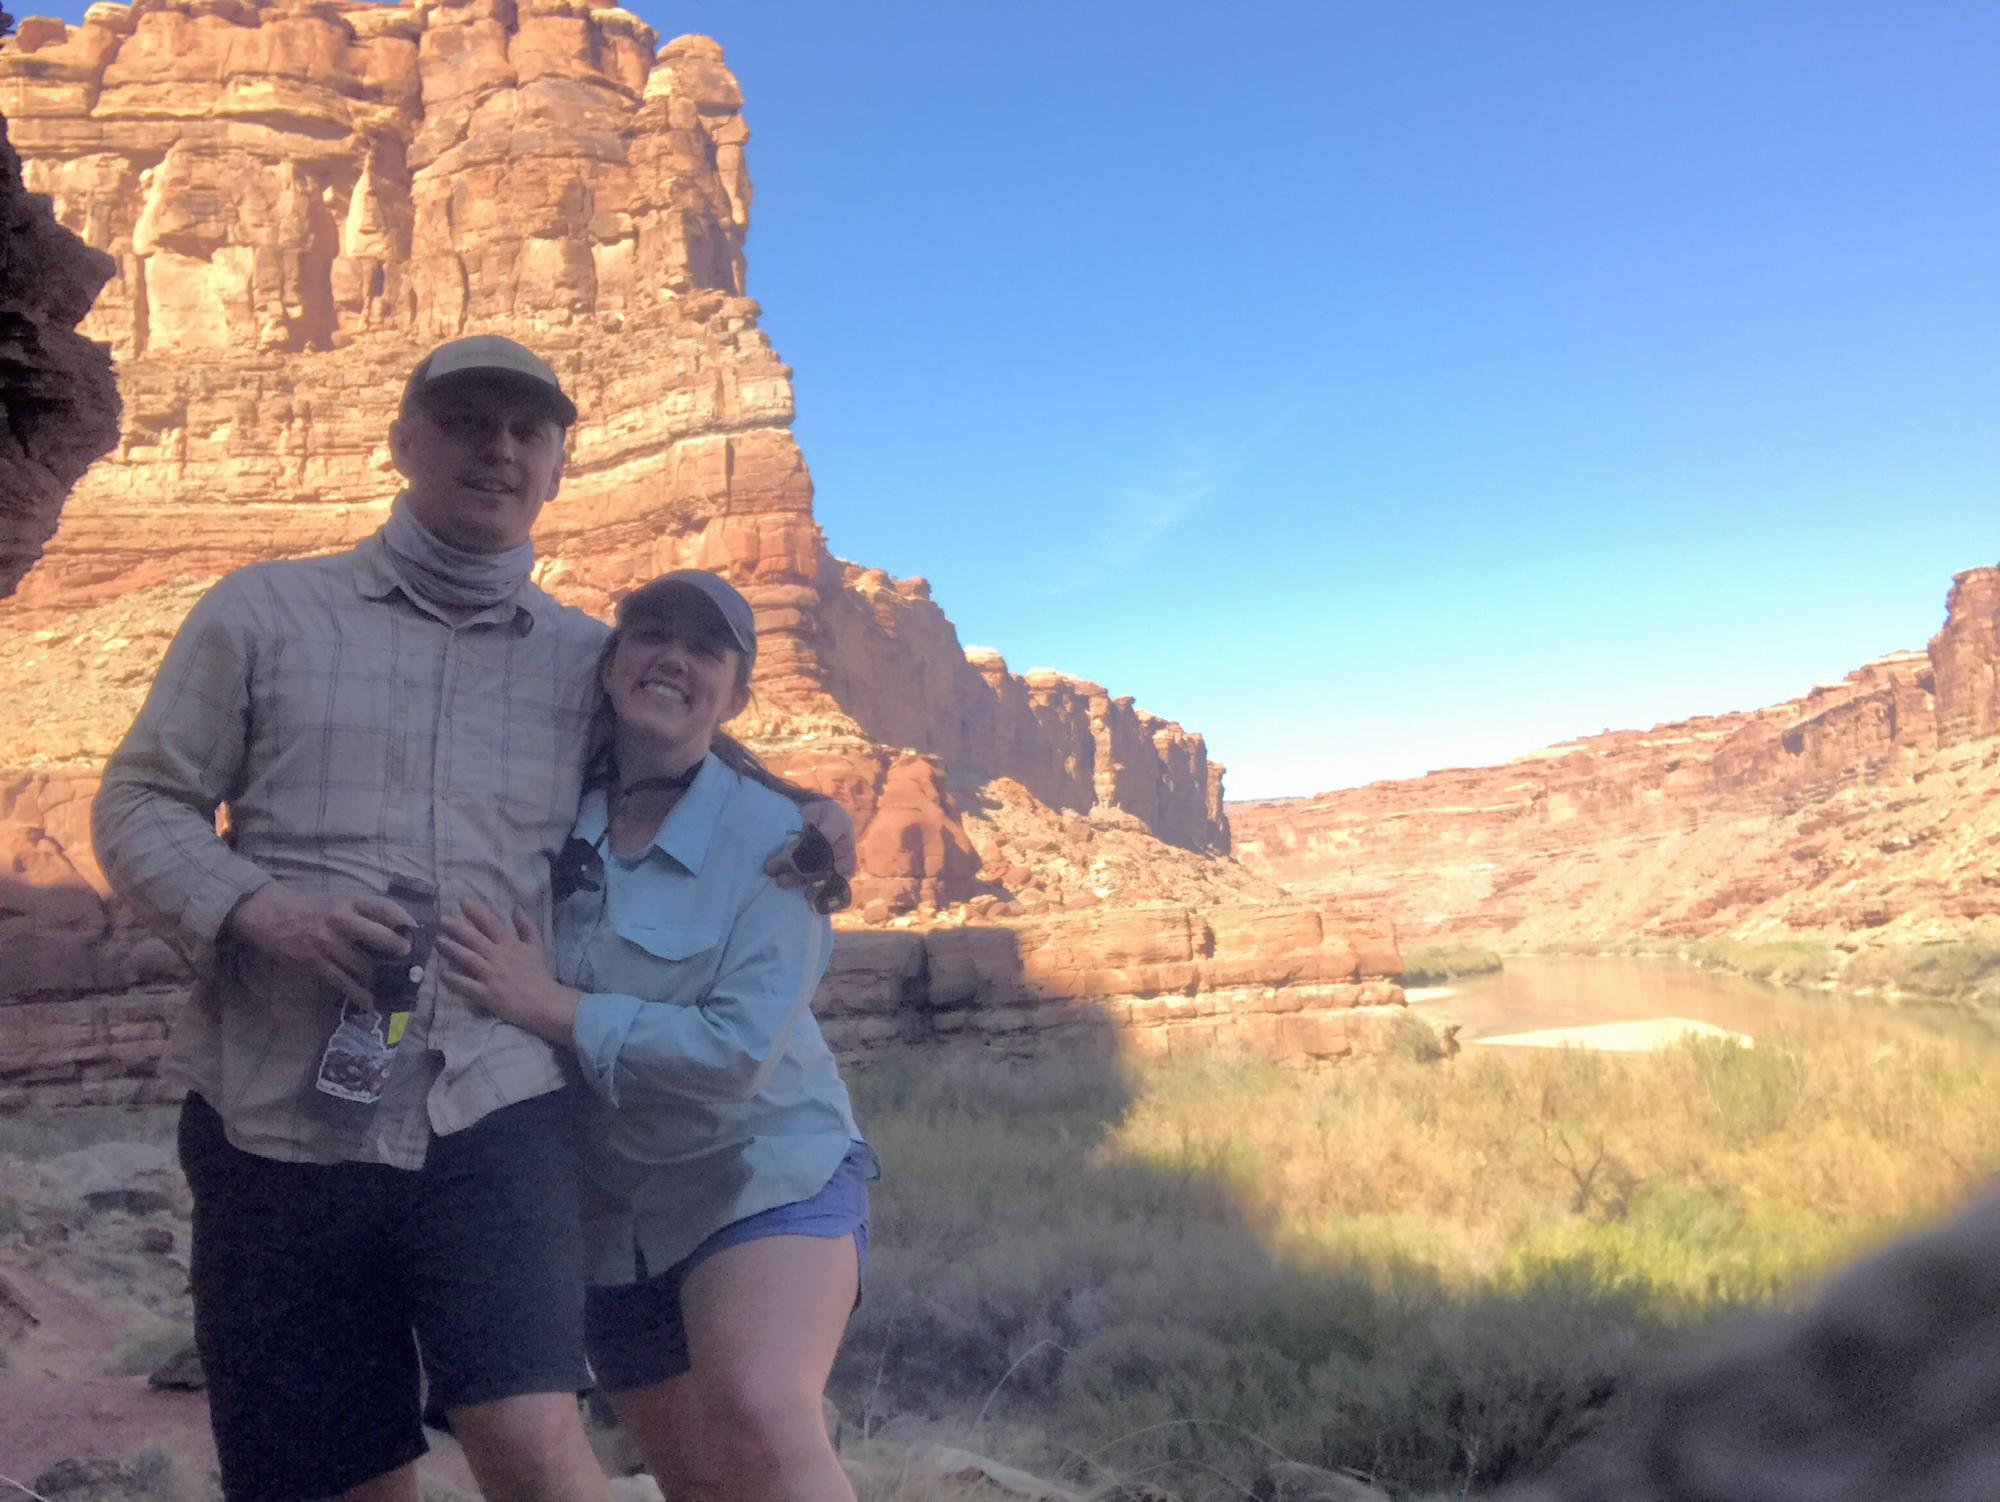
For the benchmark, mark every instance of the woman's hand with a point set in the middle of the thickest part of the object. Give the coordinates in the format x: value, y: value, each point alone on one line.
x: 503, y: 969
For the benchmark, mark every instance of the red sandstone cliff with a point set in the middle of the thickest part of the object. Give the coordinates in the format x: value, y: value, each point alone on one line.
x: 1871, y: 804
x: 298, y: 199
x: 301, y: 197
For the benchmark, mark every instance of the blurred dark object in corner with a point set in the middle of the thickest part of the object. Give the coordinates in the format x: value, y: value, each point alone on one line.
x: 1885, y: 1386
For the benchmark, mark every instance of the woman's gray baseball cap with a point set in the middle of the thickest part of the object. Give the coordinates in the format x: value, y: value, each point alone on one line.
x: 685, y: 583
x: 489, y: 357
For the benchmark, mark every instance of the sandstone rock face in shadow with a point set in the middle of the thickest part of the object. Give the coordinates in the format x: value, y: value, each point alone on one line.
x: 1888, y: 1385
x: 1274, y: 980
x: 58, y: 402
x: 297, y: 200
x: 1864, y: 807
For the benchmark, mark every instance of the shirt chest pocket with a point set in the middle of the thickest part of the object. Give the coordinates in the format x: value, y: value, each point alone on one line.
x: 670, y: 960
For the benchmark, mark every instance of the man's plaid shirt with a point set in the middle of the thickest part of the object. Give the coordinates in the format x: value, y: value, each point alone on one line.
x: 356, y: 736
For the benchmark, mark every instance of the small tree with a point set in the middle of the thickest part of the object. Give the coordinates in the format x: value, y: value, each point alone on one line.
x: 6, y: 25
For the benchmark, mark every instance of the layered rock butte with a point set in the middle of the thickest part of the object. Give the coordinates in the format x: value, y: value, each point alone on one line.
x: 297, y: 200
x: 1864, y: 812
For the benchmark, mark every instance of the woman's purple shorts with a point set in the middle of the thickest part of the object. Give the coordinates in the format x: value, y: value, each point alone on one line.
x: 634, y: 1333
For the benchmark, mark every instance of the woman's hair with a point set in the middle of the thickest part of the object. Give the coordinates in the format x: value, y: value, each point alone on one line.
x: 602, y: 768
x: 741, y: 760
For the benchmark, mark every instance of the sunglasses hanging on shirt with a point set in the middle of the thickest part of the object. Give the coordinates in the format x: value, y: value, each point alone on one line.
x: 579, y: 865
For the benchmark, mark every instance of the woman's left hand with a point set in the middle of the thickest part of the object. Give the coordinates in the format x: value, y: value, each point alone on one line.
x: 503, y: 969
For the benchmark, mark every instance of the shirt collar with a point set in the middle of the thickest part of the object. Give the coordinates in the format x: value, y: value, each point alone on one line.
x: 689, y: 828
x: 376, y: 577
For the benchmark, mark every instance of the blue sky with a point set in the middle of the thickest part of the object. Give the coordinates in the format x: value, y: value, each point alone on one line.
x: 1377, y: 387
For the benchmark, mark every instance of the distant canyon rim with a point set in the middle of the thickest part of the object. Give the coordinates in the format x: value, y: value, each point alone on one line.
x: 1863, y: 813
x: 257, y: 216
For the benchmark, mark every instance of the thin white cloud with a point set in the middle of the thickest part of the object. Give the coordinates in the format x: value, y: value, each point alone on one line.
x: 1131, y: 521
x: 1136, y: 517
x: 1139, y: 516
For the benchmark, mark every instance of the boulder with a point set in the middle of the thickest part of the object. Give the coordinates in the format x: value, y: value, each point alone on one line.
x: 1885, y: 1385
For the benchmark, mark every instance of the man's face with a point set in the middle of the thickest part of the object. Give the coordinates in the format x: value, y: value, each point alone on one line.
x: 481, y: 459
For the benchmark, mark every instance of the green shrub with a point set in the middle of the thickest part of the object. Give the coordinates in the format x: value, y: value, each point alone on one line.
x: 1417, y: 1040
x: 1743, y: 1093
x: 1941, y: 972
x: 1964, y: 974
x: 1789, y: 962
x: 1434, y: 964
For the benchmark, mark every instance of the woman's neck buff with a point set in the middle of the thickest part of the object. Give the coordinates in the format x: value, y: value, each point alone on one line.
x: 651, y: 779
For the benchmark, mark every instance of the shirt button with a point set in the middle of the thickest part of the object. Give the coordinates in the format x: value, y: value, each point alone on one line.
x: 416, y: 974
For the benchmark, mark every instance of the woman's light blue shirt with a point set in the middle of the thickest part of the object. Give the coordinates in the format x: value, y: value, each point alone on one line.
x: 714, y: 1095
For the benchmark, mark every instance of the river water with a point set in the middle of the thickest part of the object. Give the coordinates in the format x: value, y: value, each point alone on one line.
x: 1626, y: 1004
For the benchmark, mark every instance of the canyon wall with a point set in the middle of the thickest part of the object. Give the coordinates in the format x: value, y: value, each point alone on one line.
x: 296, y: 200
x: 300, y: 198
x: 1866, y: 805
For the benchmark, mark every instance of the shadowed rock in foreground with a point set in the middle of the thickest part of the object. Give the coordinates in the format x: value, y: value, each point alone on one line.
x: 1886, y: 1387
x: 58, y: 401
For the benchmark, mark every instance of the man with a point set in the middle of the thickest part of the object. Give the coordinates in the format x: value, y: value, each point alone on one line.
x: 394, y: 729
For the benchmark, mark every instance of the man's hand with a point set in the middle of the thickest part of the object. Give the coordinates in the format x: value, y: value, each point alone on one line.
x: 337, y: 937
x: 501, y: 968
x: 836, y: 824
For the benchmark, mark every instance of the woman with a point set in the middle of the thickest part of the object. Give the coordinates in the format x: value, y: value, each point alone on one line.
x: 725, y: 1200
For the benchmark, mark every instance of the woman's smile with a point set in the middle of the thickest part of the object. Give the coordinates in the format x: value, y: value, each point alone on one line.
x: 661, y: 688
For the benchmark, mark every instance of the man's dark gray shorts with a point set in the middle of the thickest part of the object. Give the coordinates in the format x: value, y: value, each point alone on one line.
x: 315, y: 1285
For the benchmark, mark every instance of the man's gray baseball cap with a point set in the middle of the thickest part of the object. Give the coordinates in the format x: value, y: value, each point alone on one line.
x: 488, y: 358
x: 687, y: 583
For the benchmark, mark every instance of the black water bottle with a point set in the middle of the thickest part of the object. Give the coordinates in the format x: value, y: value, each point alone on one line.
x: 354, y: 1069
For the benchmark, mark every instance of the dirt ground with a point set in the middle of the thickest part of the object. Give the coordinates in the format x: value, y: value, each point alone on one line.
x: 93, y: 1300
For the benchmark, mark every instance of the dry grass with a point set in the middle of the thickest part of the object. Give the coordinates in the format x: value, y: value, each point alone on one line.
x: 1442, y: 1274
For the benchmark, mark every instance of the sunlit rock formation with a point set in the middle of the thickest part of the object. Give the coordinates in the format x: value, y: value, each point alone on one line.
x: 300, y: 198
